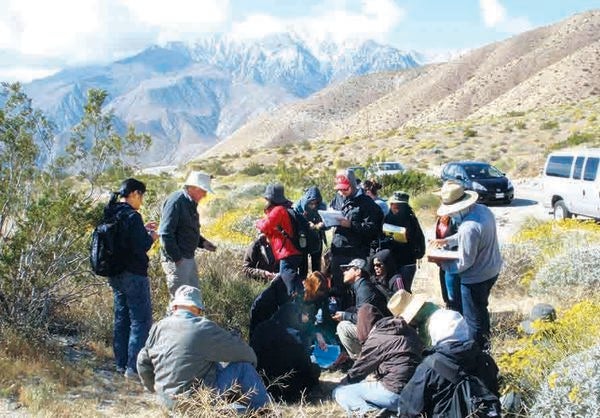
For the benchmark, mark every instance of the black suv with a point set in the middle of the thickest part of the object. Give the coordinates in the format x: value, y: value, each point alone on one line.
x: 490, y: 183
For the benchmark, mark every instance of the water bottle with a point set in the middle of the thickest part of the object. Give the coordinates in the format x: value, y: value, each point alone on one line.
x: 333, y: 306
x: 302, y: 240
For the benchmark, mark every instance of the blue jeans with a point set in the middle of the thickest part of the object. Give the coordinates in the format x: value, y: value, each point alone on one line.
x: 249, y: 382
x: 474, y: 304
x: 133, y: 317
x: 453, y: 291
x: 291, y: 266
x: 359, y: 398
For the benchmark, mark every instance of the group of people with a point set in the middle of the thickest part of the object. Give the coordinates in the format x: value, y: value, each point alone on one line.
x: 353, y: 294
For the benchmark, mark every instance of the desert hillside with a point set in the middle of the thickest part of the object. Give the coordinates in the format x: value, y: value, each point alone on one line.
x: 553, y: 66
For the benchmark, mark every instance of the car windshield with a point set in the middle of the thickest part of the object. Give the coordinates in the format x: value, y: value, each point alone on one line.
x: 482, y: 171
x: 389, y: 166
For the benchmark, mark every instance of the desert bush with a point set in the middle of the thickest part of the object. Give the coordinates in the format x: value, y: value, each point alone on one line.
x: 425, y: 201
x: 549, y: 124
x: 525, y: 368
x: 253, y: 169
x: 520, y: 261
x: 576, y: 138
x: 515, y: 113
x: 570, y: 274
x: 572, y: 388
x: 411, y: 181
x: 469, y: 132
x: 227, y: 293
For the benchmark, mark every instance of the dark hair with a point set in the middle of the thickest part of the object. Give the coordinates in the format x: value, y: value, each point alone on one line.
x: 128, y: 186
x: 372, y: 186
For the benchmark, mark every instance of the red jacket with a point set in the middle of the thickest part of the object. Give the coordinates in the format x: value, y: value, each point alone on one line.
x: 277, y: 216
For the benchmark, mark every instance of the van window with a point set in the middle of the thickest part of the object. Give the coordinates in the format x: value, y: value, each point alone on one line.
x: 559, y: 166
x: 591, y: 168
x: 578, y: 167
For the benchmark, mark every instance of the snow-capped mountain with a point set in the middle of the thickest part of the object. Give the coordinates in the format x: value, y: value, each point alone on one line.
x: 188, y: 97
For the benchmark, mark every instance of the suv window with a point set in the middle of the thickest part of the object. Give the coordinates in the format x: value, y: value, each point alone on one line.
x: 591, y: 168
x: 578, y: 167
x: 559, y: 166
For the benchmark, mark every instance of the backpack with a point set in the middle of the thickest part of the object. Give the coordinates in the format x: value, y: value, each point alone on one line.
x: 470, y: 397
x: 106, y: 246
x: 300, y: 231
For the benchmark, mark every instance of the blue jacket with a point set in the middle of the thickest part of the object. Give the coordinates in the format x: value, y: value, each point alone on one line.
x: 135, y: 241
x: 179, y: 228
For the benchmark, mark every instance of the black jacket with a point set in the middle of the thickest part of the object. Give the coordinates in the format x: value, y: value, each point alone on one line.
x: 392, y: 350
x: 135, y: 240
x: 428, y: 392
x: 179, y: 228
x: 406, y: 253
x: 366, y: 218
x: 259, y: 260
x: 365, y: 292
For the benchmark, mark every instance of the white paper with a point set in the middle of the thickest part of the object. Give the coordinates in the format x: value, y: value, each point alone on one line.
x: 331, y: 217
x: 439, y: 254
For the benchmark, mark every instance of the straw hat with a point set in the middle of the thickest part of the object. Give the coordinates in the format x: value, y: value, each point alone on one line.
x: 455, y: 198
x: 406, y: 305
x: 199, y: 179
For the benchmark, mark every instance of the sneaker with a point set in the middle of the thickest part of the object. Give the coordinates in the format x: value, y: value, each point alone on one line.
x: 131, y: 374
x: 120, y: 370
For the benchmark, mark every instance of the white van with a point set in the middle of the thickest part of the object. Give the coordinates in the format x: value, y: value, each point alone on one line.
x: 572, y: 184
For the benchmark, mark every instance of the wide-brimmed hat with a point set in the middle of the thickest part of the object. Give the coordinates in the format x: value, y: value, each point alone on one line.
x: 399, y: 197
x: 186, y: 295
x: 445, y: 325
x: 406, y: 305
x: 541, y: 311
x: 455, y: 198
x: 199, y: 179
x: 274, y: 193
x: 357, y: 262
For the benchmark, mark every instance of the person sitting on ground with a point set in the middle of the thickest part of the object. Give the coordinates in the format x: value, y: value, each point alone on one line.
x: 270, y: 299
x: 282, y: 358
x: 428, y: 392
x: 320, y: 326
x: 259, y: 261
x: 392, y: 350
x: 415, y: 309
x: 382, y: 268
x: 356, y: 276
x: 185, y: 350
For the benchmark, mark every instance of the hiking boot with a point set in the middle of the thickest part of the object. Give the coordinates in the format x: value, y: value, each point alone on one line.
x: 130, y: 374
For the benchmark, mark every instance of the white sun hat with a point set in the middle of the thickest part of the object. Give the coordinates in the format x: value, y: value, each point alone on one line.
x: 199, y: 179
x: 455, y: 198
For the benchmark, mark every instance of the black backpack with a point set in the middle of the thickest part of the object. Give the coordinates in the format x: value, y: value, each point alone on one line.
x: 300, y: 230
x: 106, y: 246
x: 470, y: 398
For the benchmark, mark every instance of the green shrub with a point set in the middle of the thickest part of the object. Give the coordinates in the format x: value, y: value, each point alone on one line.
x: 549, y: 124
x: 412, y: 181
x: 520, y: 261
x: 515, y: 113
x: 576, y: 138
x: 469, y: 132
x: 253, y: 169
x: 572, y: 388
x: 520, y: 124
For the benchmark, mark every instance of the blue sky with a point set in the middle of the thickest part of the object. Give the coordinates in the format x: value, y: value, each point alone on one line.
x: 38, y: 37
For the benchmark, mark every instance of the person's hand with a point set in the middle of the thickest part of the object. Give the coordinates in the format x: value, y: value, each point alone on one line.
x: 438, y: 243
x: 151, y: 226
x: 337, y: 316
x: 270, y: 275
x: 345, y: 223
x: 321, y: 341
x: 209, y: 246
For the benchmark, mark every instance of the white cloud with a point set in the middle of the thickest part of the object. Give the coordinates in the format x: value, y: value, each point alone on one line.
x: 375, y: 20
x: 25, y: 74
x: 495, y: 16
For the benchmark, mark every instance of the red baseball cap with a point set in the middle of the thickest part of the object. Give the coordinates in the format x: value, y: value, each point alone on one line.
x: 342, y: 182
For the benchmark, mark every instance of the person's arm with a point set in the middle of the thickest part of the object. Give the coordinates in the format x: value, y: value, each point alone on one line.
x: 145, y: 367
x: 270, y: 223
x: 367, y: 362
x: 168, y: 229
x: 469, y: 236
x: 415, y: 395
x: 140, y: 238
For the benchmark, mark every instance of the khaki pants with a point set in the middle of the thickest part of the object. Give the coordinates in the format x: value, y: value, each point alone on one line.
x: 346, y: 331
x: 186, y: 272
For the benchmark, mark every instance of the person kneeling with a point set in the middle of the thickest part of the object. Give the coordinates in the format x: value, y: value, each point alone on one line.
x: 393, y: 351
x: 184, y: 351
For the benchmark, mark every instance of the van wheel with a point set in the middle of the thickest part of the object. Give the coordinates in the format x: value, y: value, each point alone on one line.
x: 560, y: 211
